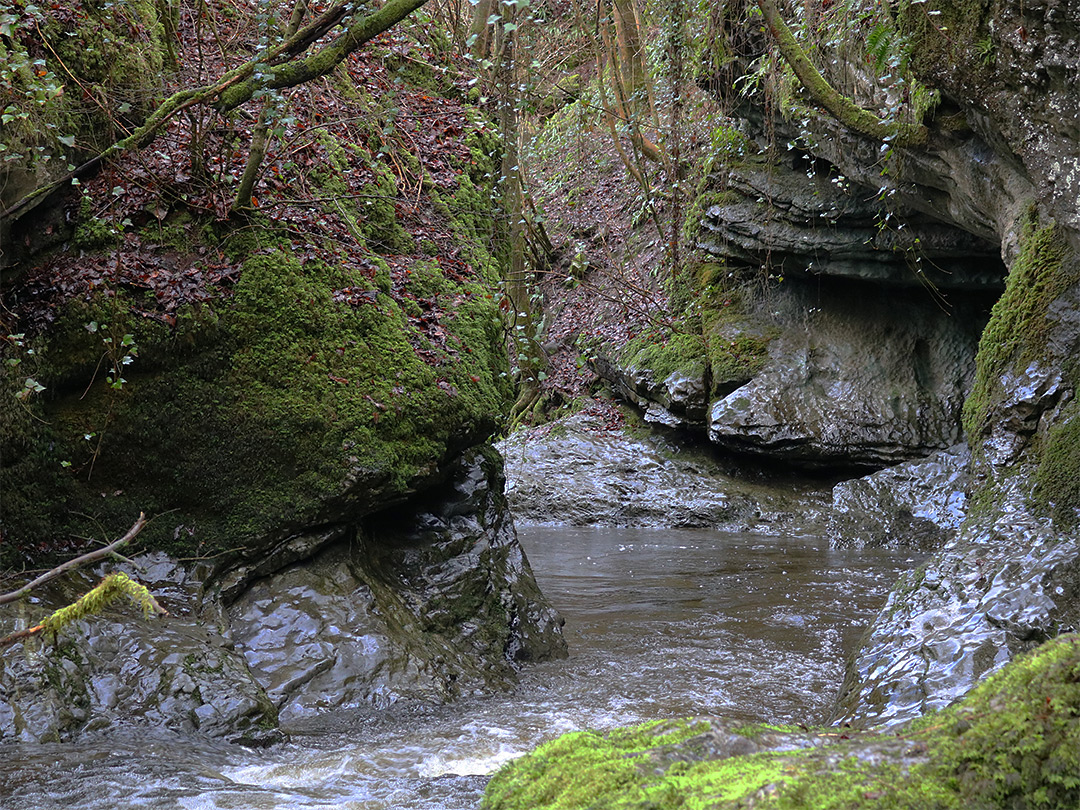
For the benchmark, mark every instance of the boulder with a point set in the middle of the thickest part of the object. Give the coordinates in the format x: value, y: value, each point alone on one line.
x: 422, y: 603
x: 918, y: 504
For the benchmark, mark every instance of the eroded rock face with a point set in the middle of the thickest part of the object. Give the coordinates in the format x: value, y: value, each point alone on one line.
x: 919, y: 504
x: 420, y: 605
x: 180, y: 672
x: 676, y: 400
x: 579, y: 472
x: 859, y: 377
x: 992, y: 592
x: 425, y: 604
x: 821, y: 223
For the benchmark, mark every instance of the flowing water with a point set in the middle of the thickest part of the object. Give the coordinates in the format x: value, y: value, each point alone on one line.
x: 660, y: 624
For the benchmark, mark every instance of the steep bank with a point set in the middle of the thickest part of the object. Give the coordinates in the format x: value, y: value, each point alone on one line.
x: 299, y: 392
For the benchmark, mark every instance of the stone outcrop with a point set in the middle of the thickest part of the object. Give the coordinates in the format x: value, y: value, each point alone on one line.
x: 420, y: 603
x: 857, y: 377
x: 918, y: 504
x: 581, y: 472
x: 877, y: 264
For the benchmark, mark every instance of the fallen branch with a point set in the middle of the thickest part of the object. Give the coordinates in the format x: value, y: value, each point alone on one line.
x: 109, y: 590
x: 78, y: 562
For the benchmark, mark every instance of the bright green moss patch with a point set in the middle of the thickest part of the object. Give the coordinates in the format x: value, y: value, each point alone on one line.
x: 680, y: 352
x: 1014, y: 742
x: 1018, y: 329
x: 577, y: 769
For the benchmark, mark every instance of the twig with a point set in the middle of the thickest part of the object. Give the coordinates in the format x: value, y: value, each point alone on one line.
x: 78, y: 562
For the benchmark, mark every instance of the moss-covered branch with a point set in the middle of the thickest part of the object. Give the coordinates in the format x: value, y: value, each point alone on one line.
x: 240, y: 84
x: 111, y: 589
x: 322, y: 61
x: 835, y: 103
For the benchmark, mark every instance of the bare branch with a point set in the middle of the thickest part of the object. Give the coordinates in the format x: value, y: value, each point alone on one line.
x: 78, y: 562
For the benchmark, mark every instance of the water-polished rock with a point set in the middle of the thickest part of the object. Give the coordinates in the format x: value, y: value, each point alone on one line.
x: 919, y: 504
x: 860, y: 376
x: 424, y: 603
x: 582, y: 472
x: 1002, y: 586
x: 428, y: 601
x: 178, y: 672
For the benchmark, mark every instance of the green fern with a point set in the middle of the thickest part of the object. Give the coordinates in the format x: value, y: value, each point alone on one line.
x: 879, y: 45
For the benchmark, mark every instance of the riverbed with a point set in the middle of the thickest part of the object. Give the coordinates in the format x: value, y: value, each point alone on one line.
x: 660, y: 623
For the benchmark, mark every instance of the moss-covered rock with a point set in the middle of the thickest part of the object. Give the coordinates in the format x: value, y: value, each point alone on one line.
x: 308, y: 396
x: 1019, y: 326
x: 1013, y: 742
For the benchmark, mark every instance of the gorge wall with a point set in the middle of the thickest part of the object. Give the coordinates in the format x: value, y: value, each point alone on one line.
x: 906, y: 305
x: 299, y: 392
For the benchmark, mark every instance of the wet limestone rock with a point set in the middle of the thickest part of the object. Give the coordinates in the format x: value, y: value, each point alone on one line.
x: 672, y: 397
x: 426, y: 603
x: 178, y: 672
x: 918, y: 504
x: 819, y: 223
x: 859, y: 376
x: 1010, y: 577
x: 581, y: 472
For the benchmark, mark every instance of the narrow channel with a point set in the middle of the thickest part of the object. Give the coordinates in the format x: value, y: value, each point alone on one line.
x: 661, y: 623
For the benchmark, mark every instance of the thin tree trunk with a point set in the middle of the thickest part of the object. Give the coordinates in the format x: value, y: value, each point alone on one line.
x: 260, y: 136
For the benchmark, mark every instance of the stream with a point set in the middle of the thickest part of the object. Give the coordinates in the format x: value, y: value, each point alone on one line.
x: 660, y: 623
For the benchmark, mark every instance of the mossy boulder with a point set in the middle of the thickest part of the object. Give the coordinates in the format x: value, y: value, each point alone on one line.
x: 306, y: 397
x: 1014, y: 742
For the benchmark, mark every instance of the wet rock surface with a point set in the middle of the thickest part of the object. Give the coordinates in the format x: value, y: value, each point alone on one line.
x: 678, y: 400
x: 1000, y: 587
x: 918, y: 504
x: 584, y: 472
x: 178, y: 672
x: 859, y: 376
x: 422, y: 604
x: 425, y: 603
x: 820, y: 223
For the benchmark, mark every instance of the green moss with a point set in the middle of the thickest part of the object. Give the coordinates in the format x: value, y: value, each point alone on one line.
x: 1018, y: 328
x: 273, y: 411
x: 695, y: 213
x: 737, y: 349
x: 682, y: 352
x: 372, y: 215
x: 1013, y: 742
x: 1057, y: 479
x: 578, y: 769
x: 113, y: 53
x: 91, y: 232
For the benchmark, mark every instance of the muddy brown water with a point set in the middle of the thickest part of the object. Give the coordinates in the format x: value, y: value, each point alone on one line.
x: 661, y: 623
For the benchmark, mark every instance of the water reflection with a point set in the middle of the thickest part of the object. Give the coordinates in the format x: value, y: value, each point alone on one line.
x: 660, y: 623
